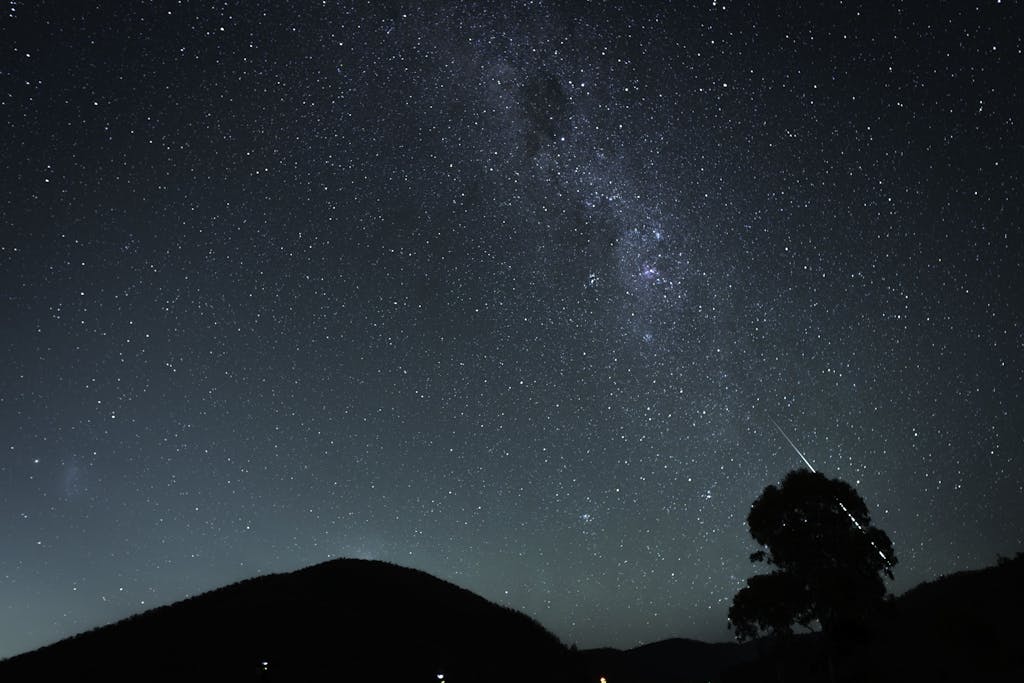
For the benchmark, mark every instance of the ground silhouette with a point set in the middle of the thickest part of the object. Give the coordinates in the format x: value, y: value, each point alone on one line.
x: 341, y: 620
x: 355, y: 619
x: 963, y: 627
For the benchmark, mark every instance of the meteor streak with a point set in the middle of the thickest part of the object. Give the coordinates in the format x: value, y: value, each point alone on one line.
x: 786, y: 437
x: 843, y: 507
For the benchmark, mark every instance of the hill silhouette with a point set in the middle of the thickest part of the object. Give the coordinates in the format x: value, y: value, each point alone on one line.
x: 964, y: 626
x: 344, y: 619
x: 676, y: 660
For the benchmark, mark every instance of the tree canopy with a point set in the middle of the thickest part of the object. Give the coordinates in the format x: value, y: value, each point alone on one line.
x: 829, y: 560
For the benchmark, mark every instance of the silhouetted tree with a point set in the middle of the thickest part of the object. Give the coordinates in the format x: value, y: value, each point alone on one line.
x: 770, y: 603
x: 829, y: 560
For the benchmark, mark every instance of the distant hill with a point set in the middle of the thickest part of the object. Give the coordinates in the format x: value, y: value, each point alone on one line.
x: 677, y: 660
x: 341, y: 620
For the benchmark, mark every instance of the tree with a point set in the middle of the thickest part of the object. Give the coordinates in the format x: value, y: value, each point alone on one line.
x: 772, y: 603
x: 829, y: 559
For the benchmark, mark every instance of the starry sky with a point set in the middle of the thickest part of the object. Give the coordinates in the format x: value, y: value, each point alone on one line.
x: 507, y: 292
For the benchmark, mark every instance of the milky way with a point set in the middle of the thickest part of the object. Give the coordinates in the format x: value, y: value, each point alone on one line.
x: 506, y: 292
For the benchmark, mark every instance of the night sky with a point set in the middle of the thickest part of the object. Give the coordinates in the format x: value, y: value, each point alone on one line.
x: 509, y: 293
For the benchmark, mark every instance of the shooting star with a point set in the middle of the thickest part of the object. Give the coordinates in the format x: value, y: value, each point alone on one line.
x: 811, y: 468
x: 790, y: 441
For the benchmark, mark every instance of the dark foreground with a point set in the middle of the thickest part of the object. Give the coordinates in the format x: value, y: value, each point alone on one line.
x: 364, y: 620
